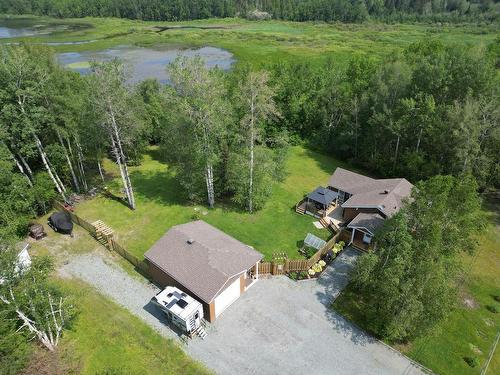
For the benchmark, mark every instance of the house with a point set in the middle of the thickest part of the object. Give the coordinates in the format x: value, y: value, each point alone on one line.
x: 204, y: 262
x: 363, y: 203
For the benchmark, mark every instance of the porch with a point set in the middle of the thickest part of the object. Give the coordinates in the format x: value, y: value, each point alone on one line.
x: 319, y: 203
x: 360, y: 239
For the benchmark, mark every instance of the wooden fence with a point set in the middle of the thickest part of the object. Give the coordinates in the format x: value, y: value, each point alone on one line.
x: 110, y: 241
x: 281, y: 266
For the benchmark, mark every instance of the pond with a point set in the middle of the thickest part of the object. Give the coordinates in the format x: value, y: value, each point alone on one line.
x: 146, y: 63
x: 23, y: 27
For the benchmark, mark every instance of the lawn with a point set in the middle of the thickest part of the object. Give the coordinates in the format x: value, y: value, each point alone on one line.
x: 161, y: 204
x: 467, y: 332
x: 101, y: 338
x: 267, y: 41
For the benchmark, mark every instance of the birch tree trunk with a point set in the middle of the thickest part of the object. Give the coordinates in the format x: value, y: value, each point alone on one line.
x: 209, y: 178
x: 68, y: 160
x: 396, y: 153
x: 47, y: 332
x: 26, y: 166
x: 80, y: 164
x: 252, y: 142
x: 20, y: 167
x: 126, y: 177
x: 419, y: 139
x: 100, y: 169
x: 46, y: 164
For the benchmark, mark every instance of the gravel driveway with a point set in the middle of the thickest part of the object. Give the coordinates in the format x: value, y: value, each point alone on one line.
x: 277, y: 326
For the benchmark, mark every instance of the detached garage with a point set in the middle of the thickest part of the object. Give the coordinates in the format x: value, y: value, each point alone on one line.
x: 206, y: 263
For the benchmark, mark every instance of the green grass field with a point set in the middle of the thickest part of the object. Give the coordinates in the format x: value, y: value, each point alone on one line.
x: 267, y: 41
x: 467, y: 332
x: 161, y: 204
x: 106, y: 336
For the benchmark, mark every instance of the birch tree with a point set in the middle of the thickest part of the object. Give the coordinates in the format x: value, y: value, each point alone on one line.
x: 41, y: 310
x: 257, y: 104
x: 112, y: 100
x: 201, y: 98
x: 25, y: 72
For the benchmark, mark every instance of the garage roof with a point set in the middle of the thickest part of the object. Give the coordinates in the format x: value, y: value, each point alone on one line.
x: 202, y: 258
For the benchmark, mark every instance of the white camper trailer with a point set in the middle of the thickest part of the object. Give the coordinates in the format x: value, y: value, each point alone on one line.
x: 181, y: 310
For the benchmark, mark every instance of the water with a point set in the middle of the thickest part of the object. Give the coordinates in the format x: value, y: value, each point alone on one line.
x: 19, y: 27
x: 146, y: 63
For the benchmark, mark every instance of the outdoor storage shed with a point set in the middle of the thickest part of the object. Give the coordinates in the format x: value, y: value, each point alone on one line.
x: 210, y: 265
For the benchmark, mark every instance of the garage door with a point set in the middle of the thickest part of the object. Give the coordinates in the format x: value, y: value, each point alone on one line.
x: 227, y: 297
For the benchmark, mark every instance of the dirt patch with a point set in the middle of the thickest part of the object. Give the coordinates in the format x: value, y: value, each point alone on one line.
x: 44, y: 362
x: 468, y: 301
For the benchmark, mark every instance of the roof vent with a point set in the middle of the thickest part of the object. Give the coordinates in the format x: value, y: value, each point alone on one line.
x: 190, y: 241
x: 385, y: 192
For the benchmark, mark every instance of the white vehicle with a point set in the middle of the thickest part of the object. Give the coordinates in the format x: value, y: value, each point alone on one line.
x: 182, y: 310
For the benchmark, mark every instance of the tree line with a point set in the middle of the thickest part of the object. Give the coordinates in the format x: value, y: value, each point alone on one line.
x: 56, y: 126
x: 295, y: 10
x: 430, y: 110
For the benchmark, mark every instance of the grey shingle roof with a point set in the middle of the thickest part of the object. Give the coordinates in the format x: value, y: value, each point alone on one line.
x: 386, y: 194
x: 369, y: 221
x: 322, y: 195
x: 201, y: 257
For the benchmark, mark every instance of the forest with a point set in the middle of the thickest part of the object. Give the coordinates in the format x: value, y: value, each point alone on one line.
x: 428, y: 113
x: 294, y: 10
x: 431, y: 110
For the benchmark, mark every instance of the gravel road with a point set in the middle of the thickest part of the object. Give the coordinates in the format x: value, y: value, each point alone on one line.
x: 277, y: 326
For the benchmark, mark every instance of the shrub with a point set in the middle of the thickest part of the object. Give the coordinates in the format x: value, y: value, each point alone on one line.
x: 311, y: 272
x: 472, y: 361
x: 322, y: 263
x: 309, y: 252
x: 302, y: 275
x: 317, y: 268
x: 293, y: 275
x: 492, y: 309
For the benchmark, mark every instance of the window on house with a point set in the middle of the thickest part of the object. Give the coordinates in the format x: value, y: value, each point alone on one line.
x: 367, y: 238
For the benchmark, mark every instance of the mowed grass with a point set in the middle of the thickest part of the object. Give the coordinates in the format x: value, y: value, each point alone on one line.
x: 466, y: 332
x: 259, y: 42
x: 161, y: 204
x: 105, y: 336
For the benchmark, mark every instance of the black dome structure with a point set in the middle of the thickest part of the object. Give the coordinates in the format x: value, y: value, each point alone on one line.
x: 61, y: 222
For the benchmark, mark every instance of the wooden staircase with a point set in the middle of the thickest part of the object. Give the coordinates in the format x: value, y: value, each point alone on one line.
x: 200, y: 332
x: 329, y: 225
x: 103, y: 233
x: 299, y: 208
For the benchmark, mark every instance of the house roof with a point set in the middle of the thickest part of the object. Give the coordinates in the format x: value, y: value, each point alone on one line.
x: 385, y: 194
x: 323, y: 195
x: 370, y: 222
x: 202, y: 258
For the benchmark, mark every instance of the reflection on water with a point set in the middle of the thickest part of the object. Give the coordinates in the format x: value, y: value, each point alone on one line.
x: 146, y: 63
x: 19, y: 27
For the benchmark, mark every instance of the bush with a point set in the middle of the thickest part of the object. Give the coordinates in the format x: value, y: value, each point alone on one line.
x: 492, y: 309
x: 303, y: 275
x: 472, y: 361
x: 293, y: 275
x: 309, y: 252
